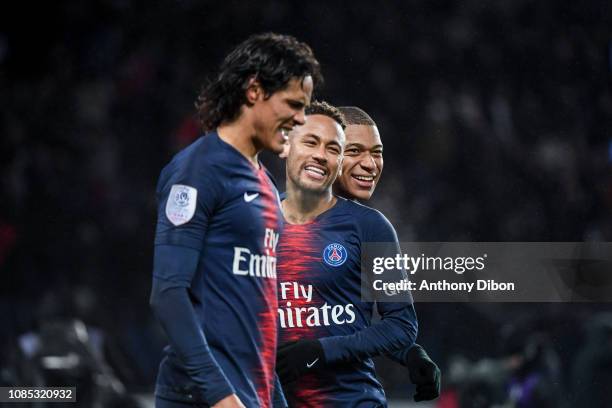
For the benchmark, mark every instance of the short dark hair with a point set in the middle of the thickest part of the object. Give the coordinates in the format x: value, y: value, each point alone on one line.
x: 356, y: 116
x: 324, y: 108
x: 273, y: 59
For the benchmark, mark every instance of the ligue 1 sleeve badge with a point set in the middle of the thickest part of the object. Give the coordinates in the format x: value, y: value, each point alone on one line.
x: 334, y: 254
x: 181, y: 204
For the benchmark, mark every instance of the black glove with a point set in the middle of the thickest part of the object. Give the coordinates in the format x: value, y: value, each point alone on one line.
x: 298, y: 357
x: 424, y: 373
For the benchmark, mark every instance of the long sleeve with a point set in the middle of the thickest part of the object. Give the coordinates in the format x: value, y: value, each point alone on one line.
x: 172, y: 306
x: 396, y: 330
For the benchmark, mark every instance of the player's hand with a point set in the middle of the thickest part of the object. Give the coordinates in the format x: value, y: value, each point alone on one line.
x: 296, y: 358
x: 424, y: 373
x: 231, y: 401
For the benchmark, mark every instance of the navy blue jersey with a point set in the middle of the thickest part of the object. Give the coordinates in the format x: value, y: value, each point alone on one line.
x: 319, y: 290
x: 215, y: 204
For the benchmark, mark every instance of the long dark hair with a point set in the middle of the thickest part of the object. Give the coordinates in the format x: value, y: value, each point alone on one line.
x: 273, y: 59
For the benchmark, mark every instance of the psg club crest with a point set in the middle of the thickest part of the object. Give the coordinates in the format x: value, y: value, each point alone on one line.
x: 181, y: 204
x: 334, y: 255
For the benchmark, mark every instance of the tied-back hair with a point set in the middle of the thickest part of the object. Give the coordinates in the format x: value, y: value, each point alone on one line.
x: 272, y: 59
x: 356, y: 116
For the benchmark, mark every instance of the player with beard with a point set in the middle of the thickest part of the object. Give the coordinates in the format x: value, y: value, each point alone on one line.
x: 214, y: 268
x: 326, y: 334
x: 362, y: 167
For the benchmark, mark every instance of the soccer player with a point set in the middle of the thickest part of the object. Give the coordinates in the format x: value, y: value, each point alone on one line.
x: 327, y: 339
x: 361, y: 170
x: 214, y: 269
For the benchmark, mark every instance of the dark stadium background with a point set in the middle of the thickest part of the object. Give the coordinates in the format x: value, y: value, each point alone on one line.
x: 496, y: 119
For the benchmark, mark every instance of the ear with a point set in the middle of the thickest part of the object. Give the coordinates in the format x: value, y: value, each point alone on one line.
x: 253, y: 90
x: 340, y: 165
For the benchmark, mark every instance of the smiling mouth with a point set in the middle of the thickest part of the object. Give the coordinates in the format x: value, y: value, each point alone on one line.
x: 364, y: 178
x: 364, y: 181
x: 315, y: 172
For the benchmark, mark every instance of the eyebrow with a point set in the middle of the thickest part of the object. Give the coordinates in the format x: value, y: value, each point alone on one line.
x: 300, y: 102
x: 335, y: 143
x: 357, y: 144
x: 312, y: 135
x: 319, y: 139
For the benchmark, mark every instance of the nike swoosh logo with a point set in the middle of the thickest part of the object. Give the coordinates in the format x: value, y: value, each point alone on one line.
x: 309, y: 365
x: 250, y: 197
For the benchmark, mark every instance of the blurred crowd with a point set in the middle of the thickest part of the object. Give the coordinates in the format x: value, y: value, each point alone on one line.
x: 495, y: 116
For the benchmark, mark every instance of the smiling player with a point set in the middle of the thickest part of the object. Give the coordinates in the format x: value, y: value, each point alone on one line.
x: 214, y: 270
x: 361, y: 170
x: 327, y: 338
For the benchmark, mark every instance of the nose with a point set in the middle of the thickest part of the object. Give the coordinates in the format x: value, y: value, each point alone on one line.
x: 368, y: 163
x: 300, y: 117
x: 319, y: 155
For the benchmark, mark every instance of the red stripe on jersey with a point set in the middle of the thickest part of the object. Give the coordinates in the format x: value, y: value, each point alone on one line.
x: 297, y: 253
x: 267, y: 318
x: 296, y: 256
